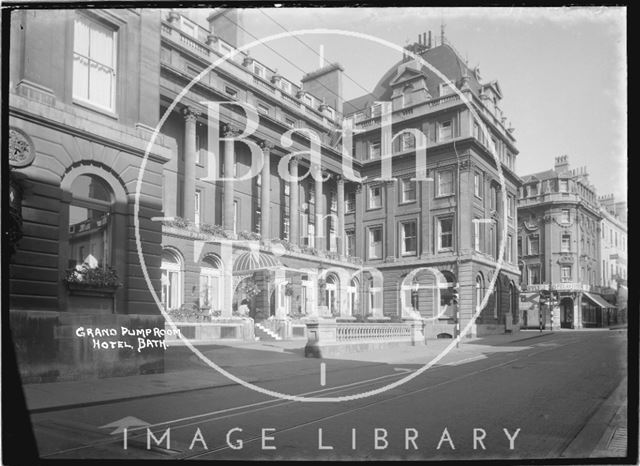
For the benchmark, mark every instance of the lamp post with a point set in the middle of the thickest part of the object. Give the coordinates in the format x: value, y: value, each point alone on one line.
x: 553, y: 300
x: 542, y: 300
x: 456, y: 301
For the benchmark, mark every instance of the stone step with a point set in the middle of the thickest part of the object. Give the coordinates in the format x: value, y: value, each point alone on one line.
x: 266, y: 334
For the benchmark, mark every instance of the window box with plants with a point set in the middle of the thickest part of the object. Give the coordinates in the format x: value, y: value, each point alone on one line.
x: 92, y: 289
x: 85, y: 279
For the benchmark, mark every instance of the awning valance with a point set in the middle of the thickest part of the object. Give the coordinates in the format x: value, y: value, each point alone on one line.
x: 598, y: 300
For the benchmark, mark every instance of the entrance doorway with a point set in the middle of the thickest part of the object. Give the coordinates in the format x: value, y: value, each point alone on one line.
x: 352, y: 297
x: 332, y: 294
x: 566, y: 313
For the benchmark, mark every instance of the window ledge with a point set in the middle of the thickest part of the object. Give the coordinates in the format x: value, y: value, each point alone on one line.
x: 413, y: 201
x: 442, y: 196
x: 89, y: 106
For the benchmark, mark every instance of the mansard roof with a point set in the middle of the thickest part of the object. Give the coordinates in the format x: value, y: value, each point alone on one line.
x: 442, y: 58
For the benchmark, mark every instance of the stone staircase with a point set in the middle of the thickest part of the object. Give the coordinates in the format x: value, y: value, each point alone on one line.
x: 265, y: 334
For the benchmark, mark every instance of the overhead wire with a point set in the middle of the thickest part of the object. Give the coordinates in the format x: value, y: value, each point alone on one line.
x: 312, y: 49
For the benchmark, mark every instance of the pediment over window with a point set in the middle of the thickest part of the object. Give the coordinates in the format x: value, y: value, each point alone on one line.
x: 406, y: 72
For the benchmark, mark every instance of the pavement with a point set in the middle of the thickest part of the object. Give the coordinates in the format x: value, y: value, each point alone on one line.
x: 606, y: 431
x: 263, y: 361
x: 252, y: 362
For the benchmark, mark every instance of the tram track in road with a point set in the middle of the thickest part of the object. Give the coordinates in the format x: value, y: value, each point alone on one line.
x: 135, y: 434
x: 378, y: 402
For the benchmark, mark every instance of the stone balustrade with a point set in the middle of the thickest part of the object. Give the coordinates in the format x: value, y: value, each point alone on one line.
x: 326, y: 337
x: 347, y: 332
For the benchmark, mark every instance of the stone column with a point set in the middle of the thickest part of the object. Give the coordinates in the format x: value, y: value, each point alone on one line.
x: 319, y: 211
x: 340, y: 225
x: 228, y: 190
x: 188, y: 198
x: 294, y: 205
x: 265, y: 192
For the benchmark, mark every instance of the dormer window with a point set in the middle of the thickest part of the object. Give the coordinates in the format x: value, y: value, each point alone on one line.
x: 308, y: 100
x: 188, y: 27
x: 445, y: 89
x: 285, y: 86
x: 564, y: 186
x: 376, y: 110
x: 258, y: 69
x: 224, y: 48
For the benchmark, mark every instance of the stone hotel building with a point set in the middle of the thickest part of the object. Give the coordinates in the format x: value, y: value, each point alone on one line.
x: 87, y: 90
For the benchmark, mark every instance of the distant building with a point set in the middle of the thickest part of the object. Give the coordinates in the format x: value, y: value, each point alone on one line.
x: 613, y: 251
x: 559, y: 248
x: 452, y: 223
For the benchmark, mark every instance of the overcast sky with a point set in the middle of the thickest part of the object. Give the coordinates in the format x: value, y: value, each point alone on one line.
x: 562, y: 70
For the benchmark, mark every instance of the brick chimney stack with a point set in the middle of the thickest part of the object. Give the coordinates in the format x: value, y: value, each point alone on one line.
x: 326, y: 84
x: 226, y: 23
x: 562, y: 164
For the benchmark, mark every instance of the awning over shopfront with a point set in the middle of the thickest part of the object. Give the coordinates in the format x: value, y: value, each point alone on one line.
x: 598, y: 300
x: 254, y: 261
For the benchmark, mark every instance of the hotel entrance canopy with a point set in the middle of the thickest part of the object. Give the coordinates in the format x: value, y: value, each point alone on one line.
x: 254, y: 261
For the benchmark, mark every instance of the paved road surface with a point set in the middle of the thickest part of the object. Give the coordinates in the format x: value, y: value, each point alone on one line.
x: 544, y: 389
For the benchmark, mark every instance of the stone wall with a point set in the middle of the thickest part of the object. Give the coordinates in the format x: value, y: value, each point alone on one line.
x: 48, y: 349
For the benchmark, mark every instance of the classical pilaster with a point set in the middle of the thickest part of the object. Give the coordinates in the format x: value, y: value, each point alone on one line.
x: 340, y: 226
x: 228, y: 191
x: 294, y: 204
x: 188, y: 207
x: 265, y: 191
x: 319, y: 208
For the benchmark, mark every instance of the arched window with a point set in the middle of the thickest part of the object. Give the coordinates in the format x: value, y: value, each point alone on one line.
x: 497, y: 293
x: 352, y: 297
x: 446, y: 289
x: 171, y: 279
x: 90, y: 225
x: 479, y: 290
x: 331, y: 296
x: 210, y: 283
x: 407, y: 92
